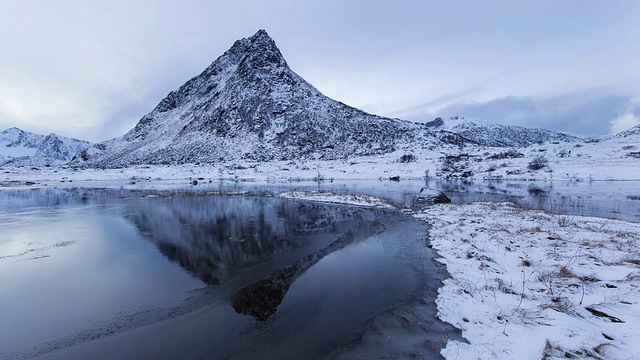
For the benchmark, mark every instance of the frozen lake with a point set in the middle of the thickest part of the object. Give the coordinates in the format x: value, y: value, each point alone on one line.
x: 148, y: 272
x: 115, y: 274
x: 606, y: 199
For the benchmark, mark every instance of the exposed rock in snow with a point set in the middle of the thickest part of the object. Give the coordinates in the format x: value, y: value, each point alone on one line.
x: 22, y: 148
x: 430, y: 196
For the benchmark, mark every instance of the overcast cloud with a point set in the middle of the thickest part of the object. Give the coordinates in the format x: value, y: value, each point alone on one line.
x: 91, y: 69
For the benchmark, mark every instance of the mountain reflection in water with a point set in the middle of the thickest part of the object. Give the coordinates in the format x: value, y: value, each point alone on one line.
x: 283, y: 279
x: 220, y: 239
x: 262, y: 298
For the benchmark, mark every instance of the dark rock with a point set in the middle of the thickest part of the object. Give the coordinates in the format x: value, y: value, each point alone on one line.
x: 429, y: 196
x: 435, y: 122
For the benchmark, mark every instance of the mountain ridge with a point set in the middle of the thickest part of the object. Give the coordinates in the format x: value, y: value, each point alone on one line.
x: 23, y: 148
x: 499, y: 135
x: 248, y: 104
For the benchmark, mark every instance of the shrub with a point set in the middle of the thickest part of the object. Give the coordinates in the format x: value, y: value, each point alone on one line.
x: 509, y: 154
x: 407, y: 158
x: 538, y: 163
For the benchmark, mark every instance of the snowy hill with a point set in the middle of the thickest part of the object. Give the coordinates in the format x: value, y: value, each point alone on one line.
x: 248, y: 104
x: 499, y: 135
x: 634, y: 131
x: 23, y: 148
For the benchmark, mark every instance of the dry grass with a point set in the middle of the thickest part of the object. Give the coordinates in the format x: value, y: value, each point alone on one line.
x: 564, y: 272
x: 555, y: 351
x: 632, y: 261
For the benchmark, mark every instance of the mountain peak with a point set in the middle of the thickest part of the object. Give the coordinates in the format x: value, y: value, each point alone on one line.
x: 260, y: 34
x: 13, y: 130
x: 20, y: 148
x: 248, y: 104
x: 258, y: 51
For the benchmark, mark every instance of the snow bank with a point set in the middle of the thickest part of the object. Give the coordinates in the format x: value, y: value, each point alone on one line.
x: 330, y: 197
x: 529, y: 285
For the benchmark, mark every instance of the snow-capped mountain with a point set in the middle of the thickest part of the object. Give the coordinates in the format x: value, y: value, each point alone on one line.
x: 18, y: 147
x: 634, y: 131
x: 498, y: 135
x: 248, y: 104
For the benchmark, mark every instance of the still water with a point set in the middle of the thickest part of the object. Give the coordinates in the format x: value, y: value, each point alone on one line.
x: 606, y: 199
x: 114, y: 274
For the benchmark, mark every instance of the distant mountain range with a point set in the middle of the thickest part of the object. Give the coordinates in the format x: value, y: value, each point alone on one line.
x: 20, y: 148
x: 499, y: 135
x: 249, y: 105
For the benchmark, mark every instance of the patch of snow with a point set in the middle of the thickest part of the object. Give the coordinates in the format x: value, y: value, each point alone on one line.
x: 330, y: 197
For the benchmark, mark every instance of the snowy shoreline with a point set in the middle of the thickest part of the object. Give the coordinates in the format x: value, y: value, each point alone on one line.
x: 527, y: 284
x: 611, y: 159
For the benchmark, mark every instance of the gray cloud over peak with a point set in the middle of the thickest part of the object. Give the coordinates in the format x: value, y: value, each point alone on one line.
x: 575, y: 113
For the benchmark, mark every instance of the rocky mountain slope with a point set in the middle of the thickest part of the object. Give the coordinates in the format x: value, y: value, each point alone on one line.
x: 248, y: 104
x: 498, y: 135
x: 23, y: 148
x: 634, y: 131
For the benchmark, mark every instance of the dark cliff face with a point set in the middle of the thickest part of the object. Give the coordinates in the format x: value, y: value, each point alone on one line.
x: 248, y: 104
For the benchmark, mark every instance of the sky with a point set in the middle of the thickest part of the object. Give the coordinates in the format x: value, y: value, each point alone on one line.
x: 92, y: 69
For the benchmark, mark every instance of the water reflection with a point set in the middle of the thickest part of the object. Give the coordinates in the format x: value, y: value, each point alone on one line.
x: 325, y: 270
x: 600, y: 199
x: 221, y: 238
x: 316, y: 266
x: 262, y: 298
x: 608, y: 199
x: 216, y: 238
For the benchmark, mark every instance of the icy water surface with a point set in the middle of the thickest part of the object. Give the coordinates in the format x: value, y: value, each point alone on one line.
x: 113, y: 274
x: 606, y: 199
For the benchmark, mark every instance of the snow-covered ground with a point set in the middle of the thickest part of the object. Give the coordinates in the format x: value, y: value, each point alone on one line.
x: 528, y: 285
x: 610, y: 159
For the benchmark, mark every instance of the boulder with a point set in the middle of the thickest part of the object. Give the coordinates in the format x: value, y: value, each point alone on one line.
x: 430, y: 196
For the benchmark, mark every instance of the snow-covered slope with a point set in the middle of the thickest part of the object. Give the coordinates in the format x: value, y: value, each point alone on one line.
x: 634, y: 131
x: 489, y: 134
x: 18, y: 147
x: 248, y: 104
